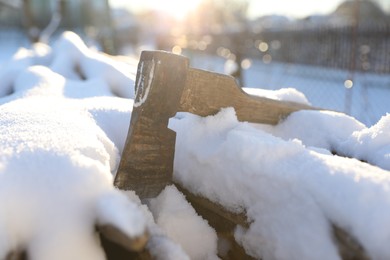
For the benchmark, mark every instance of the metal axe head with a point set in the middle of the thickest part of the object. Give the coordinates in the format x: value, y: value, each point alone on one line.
x: 147, y: 162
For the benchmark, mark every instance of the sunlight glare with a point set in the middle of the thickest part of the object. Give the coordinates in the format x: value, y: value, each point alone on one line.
x: 175, y: 8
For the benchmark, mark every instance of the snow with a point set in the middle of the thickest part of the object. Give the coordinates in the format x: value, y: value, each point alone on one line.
x: 55, y: 176
x: 160, y: 246
x: 372, y: 144
x: 338, y: 133
x: 64, y: 117
x: 285, y: 94
x: 183, y: 225
x: 290, y: 193
x: 322, y: 129
x: 61, y: 136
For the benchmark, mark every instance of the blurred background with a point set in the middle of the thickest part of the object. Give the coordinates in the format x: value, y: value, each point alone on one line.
x: 336, y: 52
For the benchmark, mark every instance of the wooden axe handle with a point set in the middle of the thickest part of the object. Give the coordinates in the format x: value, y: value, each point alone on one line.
x: 207, y: 92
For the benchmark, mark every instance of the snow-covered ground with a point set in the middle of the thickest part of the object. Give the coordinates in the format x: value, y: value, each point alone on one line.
x: 64, y: 115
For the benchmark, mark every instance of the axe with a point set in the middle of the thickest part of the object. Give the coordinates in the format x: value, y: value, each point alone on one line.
x: 165, y: 85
